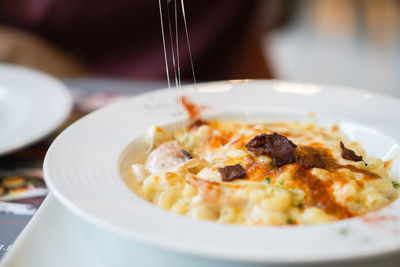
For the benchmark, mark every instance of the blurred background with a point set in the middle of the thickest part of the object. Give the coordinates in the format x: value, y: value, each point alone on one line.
x: 347, y: 42
x: 105, y: 50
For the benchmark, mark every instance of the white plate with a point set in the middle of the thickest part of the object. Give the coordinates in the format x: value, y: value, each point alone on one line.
x: 57, y: 237
x: 82, y: 168
x: 32, y: 104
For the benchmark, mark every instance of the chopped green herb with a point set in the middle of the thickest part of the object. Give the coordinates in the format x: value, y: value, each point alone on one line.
x: 268, y: 179
x: 289, y: 221
x: 395, y: 184
x: 271, y: 163
x: 282, y: 182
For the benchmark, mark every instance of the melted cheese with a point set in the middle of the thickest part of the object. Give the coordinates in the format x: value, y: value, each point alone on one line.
x: 268, y: 195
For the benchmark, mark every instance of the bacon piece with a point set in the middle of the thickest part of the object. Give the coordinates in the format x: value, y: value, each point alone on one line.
x: 231, y: 172
x: 349, y: 154
x: 258, y: 144
x: 277, y: 146
x: 309, y: 157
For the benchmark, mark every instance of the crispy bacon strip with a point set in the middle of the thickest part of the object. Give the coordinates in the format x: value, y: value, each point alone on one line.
x: 277, y: 146
x: 349, y: 154
x: 231, y: 172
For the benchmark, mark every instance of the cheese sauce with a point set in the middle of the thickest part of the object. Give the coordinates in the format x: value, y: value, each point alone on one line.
x: 316, y: 185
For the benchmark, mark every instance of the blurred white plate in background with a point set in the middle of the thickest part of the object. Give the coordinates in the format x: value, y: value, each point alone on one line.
x: 32, y: 105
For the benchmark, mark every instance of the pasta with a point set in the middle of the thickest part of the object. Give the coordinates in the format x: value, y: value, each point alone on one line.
x: 271, y: 173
